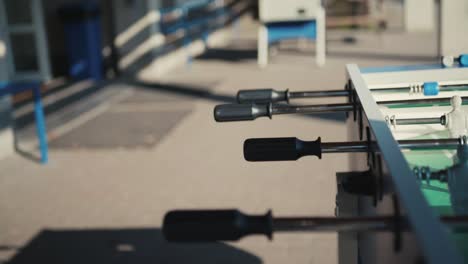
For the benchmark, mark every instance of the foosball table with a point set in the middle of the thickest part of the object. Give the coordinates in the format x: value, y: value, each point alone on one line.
x: 405, y: 198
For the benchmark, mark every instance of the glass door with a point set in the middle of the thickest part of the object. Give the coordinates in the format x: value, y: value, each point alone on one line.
x: 22, y: 26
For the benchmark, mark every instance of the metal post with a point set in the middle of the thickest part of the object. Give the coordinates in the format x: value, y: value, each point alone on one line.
x: 40, y: 124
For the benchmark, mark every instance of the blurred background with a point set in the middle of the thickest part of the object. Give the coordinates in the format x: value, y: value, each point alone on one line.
x: 106, y: 117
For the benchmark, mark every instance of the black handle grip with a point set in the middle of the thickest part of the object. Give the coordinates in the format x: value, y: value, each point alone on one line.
x: 214, y: 225
x: 241, y: 112
x: 261, y: 96
x: 278, y: 149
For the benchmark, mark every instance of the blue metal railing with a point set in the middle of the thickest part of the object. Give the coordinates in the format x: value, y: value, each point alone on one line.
x: 196, y: 19
x: 190, y: 15
x: 7, y: 88
x: 188, y: 22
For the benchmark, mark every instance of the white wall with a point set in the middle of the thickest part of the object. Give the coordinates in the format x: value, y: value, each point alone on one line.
x: 420, y: 15
x: 454, y: 37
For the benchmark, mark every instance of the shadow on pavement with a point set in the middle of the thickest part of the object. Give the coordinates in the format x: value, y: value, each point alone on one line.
x: 185, y: 90
x: 232, y: 55
x: 140, y: 245
x: 25, y: 153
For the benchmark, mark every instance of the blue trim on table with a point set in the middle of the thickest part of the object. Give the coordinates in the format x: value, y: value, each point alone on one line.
x: 401, y: 68
x: 292, y: 30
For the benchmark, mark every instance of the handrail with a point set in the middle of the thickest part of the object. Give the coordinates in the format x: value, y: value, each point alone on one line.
x: 187, y: 5
x: 181, y: 25
x: 182, y: 19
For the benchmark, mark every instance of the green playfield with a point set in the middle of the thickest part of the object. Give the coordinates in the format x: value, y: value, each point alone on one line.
x: 437, y: 193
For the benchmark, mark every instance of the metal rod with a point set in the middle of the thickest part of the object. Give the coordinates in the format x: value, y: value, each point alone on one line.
x: 333, y: 224
x: 232, y: 225
x: 444, y: 87
x: 251, y: 111
x: 417, y: 121
x: 445, y: 143
x: 340, y: 147
x: 308, y: 109
x: 338, y: 93
x: 362, y: 146
x: 354, y: 224
x: 313, y: 94
x: 280, y: 109
x: 420, y: 101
